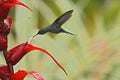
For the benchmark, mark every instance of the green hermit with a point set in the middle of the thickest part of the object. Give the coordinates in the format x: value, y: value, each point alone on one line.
x: 55, y: 27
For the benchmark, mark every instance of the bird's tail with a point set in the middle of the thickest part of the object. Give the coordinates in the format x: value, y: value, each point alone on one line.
x: 68, y: 33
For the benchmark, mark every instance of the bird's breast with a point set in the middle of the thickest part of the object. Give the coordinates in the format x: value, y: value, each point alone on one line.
x: 54, y: 30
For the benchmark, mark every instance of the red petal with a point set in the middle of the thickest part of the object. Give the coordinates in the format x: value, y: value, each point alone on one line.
x: 3, y: 12
x: 21, y: 74
x: 13, y: 3
x: 16, y: 53
x: 20, y: 3
x: 30, y: 47
x: 35, y: 75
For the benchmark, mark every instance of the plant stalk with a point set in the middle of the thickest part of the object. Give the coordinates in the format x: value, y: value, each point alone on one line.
x: 10, y: 66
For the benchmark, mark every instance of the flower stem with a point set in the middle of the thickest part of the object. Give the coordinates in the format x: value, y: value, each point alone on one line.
x: 10, y: 66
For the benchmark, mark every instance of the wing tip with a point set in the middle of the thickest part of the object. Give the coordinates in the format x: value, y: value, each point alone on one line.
x: 70, y: 11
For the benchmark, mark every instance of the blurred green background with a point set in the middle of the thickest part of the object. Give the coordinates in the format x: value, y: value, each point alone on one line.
x: 93, y: 54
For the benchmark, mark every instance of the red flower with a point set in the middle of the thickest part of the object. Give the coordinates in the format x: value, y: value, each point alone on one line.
x: 4, y: 72
x: 16, y: 53
x: 21, y: 74
x: 5, y: 6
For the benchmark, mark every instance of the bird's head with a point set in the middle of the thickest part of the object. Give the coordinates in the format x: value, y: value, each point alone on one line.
x: 41, y: 32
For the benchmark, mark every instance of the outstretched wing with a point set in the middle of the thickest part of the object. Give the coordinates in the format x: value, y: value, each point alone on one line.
x: 62, y: 19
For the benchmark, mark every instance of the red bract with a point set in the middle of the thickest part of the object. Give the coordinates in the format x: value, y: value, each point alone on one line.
x: 3, y: 12
x: 3, y: 42
x: 4, y: 72
x: 5, y: 26
x: 21, y: 74
x: 10, y: 3
x: 16, y: 53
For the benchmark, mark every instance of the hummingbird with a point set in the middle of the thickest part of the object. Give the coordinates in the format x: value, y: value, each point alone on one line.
x: 55, y: 27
